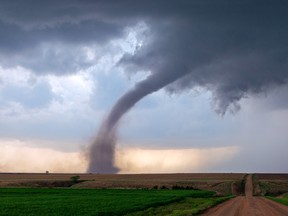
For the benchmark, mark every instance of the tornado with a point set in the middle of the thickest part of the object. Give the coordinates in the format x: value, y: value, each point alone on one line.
x: 102, y: 150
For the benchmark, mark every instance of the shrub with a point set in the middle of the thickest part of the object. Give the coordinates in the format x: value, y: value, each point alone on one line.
x: 75, y: 179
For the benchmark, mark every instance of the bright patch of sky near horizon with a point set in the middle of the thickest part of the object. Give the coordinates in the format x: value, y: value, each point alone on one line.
x: 62, y: 113
x: 17, y: 156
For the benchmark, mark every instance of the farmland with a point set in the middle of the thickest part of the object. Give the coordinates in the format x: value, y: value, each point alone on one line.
x: 43, y: 201
x: 95, y: 194
x: 139, y: 194
x: 222, y: 184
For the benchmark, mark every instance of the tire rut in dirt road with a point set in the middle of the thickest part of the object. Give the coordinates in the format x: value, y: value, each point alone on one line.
x: 248, y: 205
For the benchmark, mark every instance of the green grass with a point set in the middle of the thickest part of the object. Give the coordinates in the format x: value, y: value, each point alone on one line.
x: 44, y: 201
x: 283, y: 200
x: 188, y: 206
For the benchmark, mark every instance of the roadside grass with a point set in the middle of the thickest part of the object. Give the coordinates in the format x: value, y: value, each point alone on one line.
x: 45, y: 201
x: 282, y: 200
x: 273, y: 188
x: 188, y: 206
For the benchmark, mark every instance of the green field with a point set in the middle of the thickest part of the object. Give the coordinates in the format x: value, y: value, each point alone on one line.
x: 44, y: 201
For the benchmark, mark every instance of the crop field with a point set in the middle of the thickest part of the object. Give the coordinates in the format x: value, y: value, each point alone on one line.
x: 131, y: 194
x: 222, y: 184
x: 99, y: 194
x: 45, y: 201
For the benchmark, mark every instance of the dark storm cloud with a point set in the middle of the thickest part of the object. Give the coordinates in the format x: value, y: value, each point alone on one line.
x: 46, y: 38
x: 231, y: 49
x: 187, y: 32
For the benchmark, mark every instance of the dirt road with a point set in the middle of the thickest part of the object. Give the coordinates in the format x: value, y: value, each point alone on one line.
x: 248, y: 205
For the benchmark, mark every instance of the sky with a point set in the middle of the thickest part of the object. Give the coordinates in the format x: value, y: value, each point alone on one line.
x: 220, y: 71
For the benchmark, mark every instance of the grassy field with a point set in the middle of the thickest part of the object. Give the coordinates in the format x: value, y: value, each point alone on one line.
x: 270, y: 184
x: 283, y: 199
x: 41, y: 201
